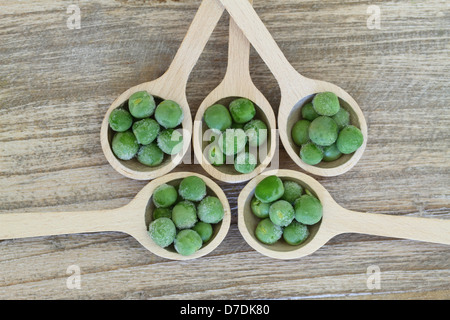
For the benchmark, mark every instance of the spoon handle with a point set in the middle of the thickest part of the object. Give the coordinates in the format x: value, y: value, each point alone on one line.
x: 200, y: 30
x: 36, y: 224
x: 413, y: 228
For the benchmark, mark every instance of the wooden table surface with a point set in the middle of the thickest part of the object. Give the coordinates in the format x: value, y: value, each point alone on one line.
x: 56, y: 83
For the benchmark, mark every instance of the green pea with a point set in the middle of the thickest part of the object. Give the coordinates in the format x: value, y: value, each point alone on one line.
x: 184, y: 214
x: 269, y: 189
x: 259, y: 209
x: 162, y: 213
x: 210, y: 210
x: 120, y: 120
x: 192, y: 188
x: 150, y: 155
x: 141, y: 104
x: 164, y: 196
x: 349, y: 140
x: 217, y: 117
x: 162, y: 231
x: 187, y: 242
x: 292, y: 191
x: 342, y: 118
x: 204, y: 229
x: 267, y: 232
x: 311, y: 154
x: 170, y: 141
x: 326, y: 103
x: 308, y: 210
x: 295, y: 233
x: 281, y: 213
x: 323, y: 131
x: 308, y: 112
x: 215, y: 156
x: 146, y: 130
x: 232, y: 141
x: 331, y: 153
x: 256, y: 131
x: 242, y: 110
x: 169, y: 114
x: 245, y: 162
x: 124, y: 145
x: 299, y: 132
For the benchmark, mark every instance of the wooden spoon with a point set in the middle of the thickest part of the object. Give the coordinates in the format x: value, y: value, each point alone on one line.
x: 295, y: 89
x: 133, y: 219
x: 236, y: 83
x: 335, y: 220
x: 170, y: 86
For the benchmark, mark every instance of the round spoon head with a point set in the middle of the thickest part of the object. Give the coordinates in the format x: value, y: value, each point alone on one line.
x: 319, y: 233
x: 132, y: 168
x: 140, y: 210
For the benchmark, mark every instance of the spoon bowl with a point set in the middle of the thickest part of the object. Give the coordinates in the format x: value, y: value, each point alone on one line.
x: 335, y: 220
x: 133, y: 219
x: 170, y: 86
x: 237, y: 83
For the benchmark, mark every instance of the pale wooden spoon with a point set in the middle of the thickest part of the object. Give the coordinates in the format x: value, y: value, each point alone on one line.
x: 133, y: 219
x: 335, y: 220
x: 237, y: 82
x: 170, y: 86
x: 295, y: 89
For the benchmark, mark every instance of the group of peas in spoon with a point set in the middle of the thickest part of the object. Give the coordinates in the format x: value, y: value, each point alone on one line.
x: 146, y: 131
x: 324, y: 133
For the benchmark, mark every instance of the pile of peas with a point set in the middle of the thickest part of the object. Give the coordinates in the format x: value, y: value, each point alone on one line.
x: 185, y: 217
x: 146, y: 131
x: 285, y: 210
x: 235, y: 131
x: 324, y: 133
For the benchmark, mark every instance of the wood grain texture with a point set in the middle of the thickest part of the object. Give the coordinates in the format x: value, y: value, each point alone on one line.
x: 56, y: 85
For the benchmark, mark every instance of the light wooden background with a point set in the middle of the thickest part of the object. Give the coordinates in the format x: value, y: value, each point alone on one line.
x: 57, y: 83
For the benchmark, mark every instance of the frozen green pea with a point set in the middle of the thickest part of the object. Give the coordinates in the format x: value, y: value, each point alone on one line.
x: 170, y: 141
x: 292, y: 191
x: 187, y: 242
x: 349, y: 140
x: 217, y: 117
x: 210, y: 210
x: 245, y: 162
x: 242, y: 110
x: 150, y: 155
x: 192, y: 188
x: 146, y: 130
x: 295, y: 233
x: 323, y: 131
x: 164, y: 196
x: 124, y: 145
x: 269, y: 189
x: 204, y: 229
x: 162, y: 231
x: 299, y: 132
x: 232, y: 141
x: 162, y: 213
x: 256, y: 131
x: 326, y: 103
x: 342, y: 118
x: 331, y: 153
x: 308, y: 112
x: 259, y: 209
x: 184, y: 214
x: 281, y: 213
x: 311, y: 154
x: 308, y: 210
x: 267, y: 232
x: 169, y: 114
x: 120, y: 120
x: 215, y: 156
x: 141, y: 104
